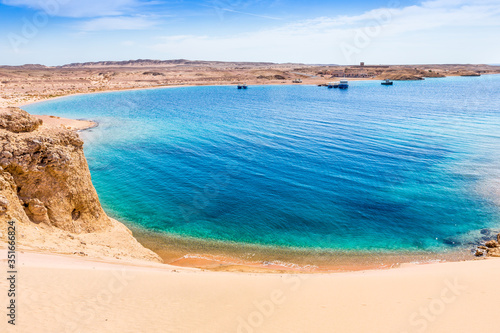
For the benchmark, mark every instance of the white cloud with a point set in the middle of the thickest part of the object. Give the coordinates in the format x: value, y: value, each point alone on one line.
x: 450, y: 3
x: 78, y: 8
x: 421, y: 33
x: 118, y: 23
x: 128, y: 43
x: 433, y: 31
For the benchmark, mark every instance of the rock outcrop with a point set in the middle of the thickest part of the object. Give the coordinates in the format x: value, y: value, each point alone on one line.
x: 493, y: 247
x: 50, y: 173
x: 490, y: 248
x: 45, y: 186
x: 16, y: 120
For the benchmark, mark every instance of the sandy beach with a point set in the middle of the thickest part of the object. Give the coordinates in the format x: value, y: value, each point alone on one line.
x: 70, y: 294
x: 71, y: 124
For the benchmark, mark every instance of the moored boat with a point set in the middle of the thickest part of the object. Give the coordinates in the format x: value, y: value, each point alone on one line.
x: 387, y: 82
x: 343, y: 84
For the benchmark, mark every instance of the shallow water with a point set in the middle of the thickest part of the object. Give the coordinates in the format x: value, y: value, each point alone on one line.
x: 408, y: 167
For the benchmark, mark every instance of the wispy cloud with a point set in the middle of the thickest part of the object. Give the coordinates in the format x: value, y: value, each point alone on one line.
x: 118, y: 23
x: 429, y: 15
x: 430, y: 31
x: 419, y: 30
x: 451, y: 3
x: 250, y: 14
x: 100, y: 15
x: 128, y: 43
x: 78, y: 8
x: 239, y: 7
x: 220, y: 10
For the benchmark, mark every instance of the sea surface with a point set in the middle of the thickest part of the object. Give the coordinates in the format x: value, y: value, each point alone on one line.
x: 409, y: 167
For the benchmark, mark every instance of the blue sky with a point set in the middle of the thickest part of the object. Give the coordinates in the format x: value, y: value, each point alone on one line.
x: 54, y: 32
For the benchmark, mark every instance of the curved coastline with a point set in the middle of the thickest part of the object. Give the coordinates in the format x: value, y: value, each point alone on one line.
x: 244, y: 257
x: 224, y: 260
x: 20, y: 105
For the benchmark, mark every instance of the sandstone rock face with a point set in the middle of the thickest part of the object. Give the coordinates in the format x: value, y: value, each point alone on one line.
x: 4, y: 203
x: 16, y: 120
x: 45, y: 186
x: 50, y: 174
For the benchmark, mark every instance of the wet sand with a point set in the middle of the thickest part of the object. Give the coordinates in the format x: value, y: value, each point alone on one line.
x: 227, y: 256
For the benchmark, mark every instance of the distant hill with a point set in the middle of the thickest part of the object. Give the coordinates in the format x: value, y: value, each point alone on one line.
x: 162, y: 63
x: 27, y: 66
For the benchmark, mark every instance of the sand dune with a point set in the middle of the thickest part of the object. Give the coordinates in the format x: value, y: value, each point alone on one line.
x: 69, y: 294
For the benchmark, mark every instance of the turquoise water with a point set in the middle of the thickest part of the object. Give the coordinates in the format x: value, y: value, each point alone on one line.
x: 406, y: 167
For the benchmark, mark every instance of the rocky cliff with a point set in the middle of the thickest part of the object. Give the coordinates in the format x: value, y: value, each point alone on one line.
x: 45, y: 186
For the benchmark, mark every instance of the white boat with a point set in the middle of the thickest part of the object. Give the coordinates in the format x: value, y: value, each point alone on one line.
x: 344, y: 84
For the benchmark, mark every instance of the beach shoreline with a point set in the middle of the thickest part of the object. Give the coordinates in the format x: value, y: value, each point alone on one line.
x: 22, y: 104
x: 242, y: 257
x: 112, y: 90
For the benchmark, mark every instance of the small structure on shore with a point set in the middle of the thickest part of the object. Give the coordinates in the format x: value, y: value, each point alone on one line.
x: 297, y: 81
x: 387, y: 82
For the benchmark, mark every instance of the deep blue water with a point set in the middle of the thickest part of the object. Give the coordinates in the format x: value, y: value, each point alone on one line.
x: 410, y: 166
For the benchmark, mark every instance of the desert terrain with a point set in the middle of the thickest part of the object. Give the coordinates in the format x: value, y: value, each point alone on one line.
x: 30, y: 83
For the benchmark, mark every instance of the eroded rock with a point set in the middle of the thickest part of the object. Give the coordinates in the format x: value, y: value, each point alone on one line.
x: 493, y: 252
x: 492, y: 244
x: 37, y: 212
x: 4, y: 203
x: 17, y: 120
x: 50, y: 174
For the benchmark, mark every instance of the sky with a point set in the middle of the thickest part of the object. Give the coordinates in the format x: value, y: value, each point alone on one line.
x: 57, y: 32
